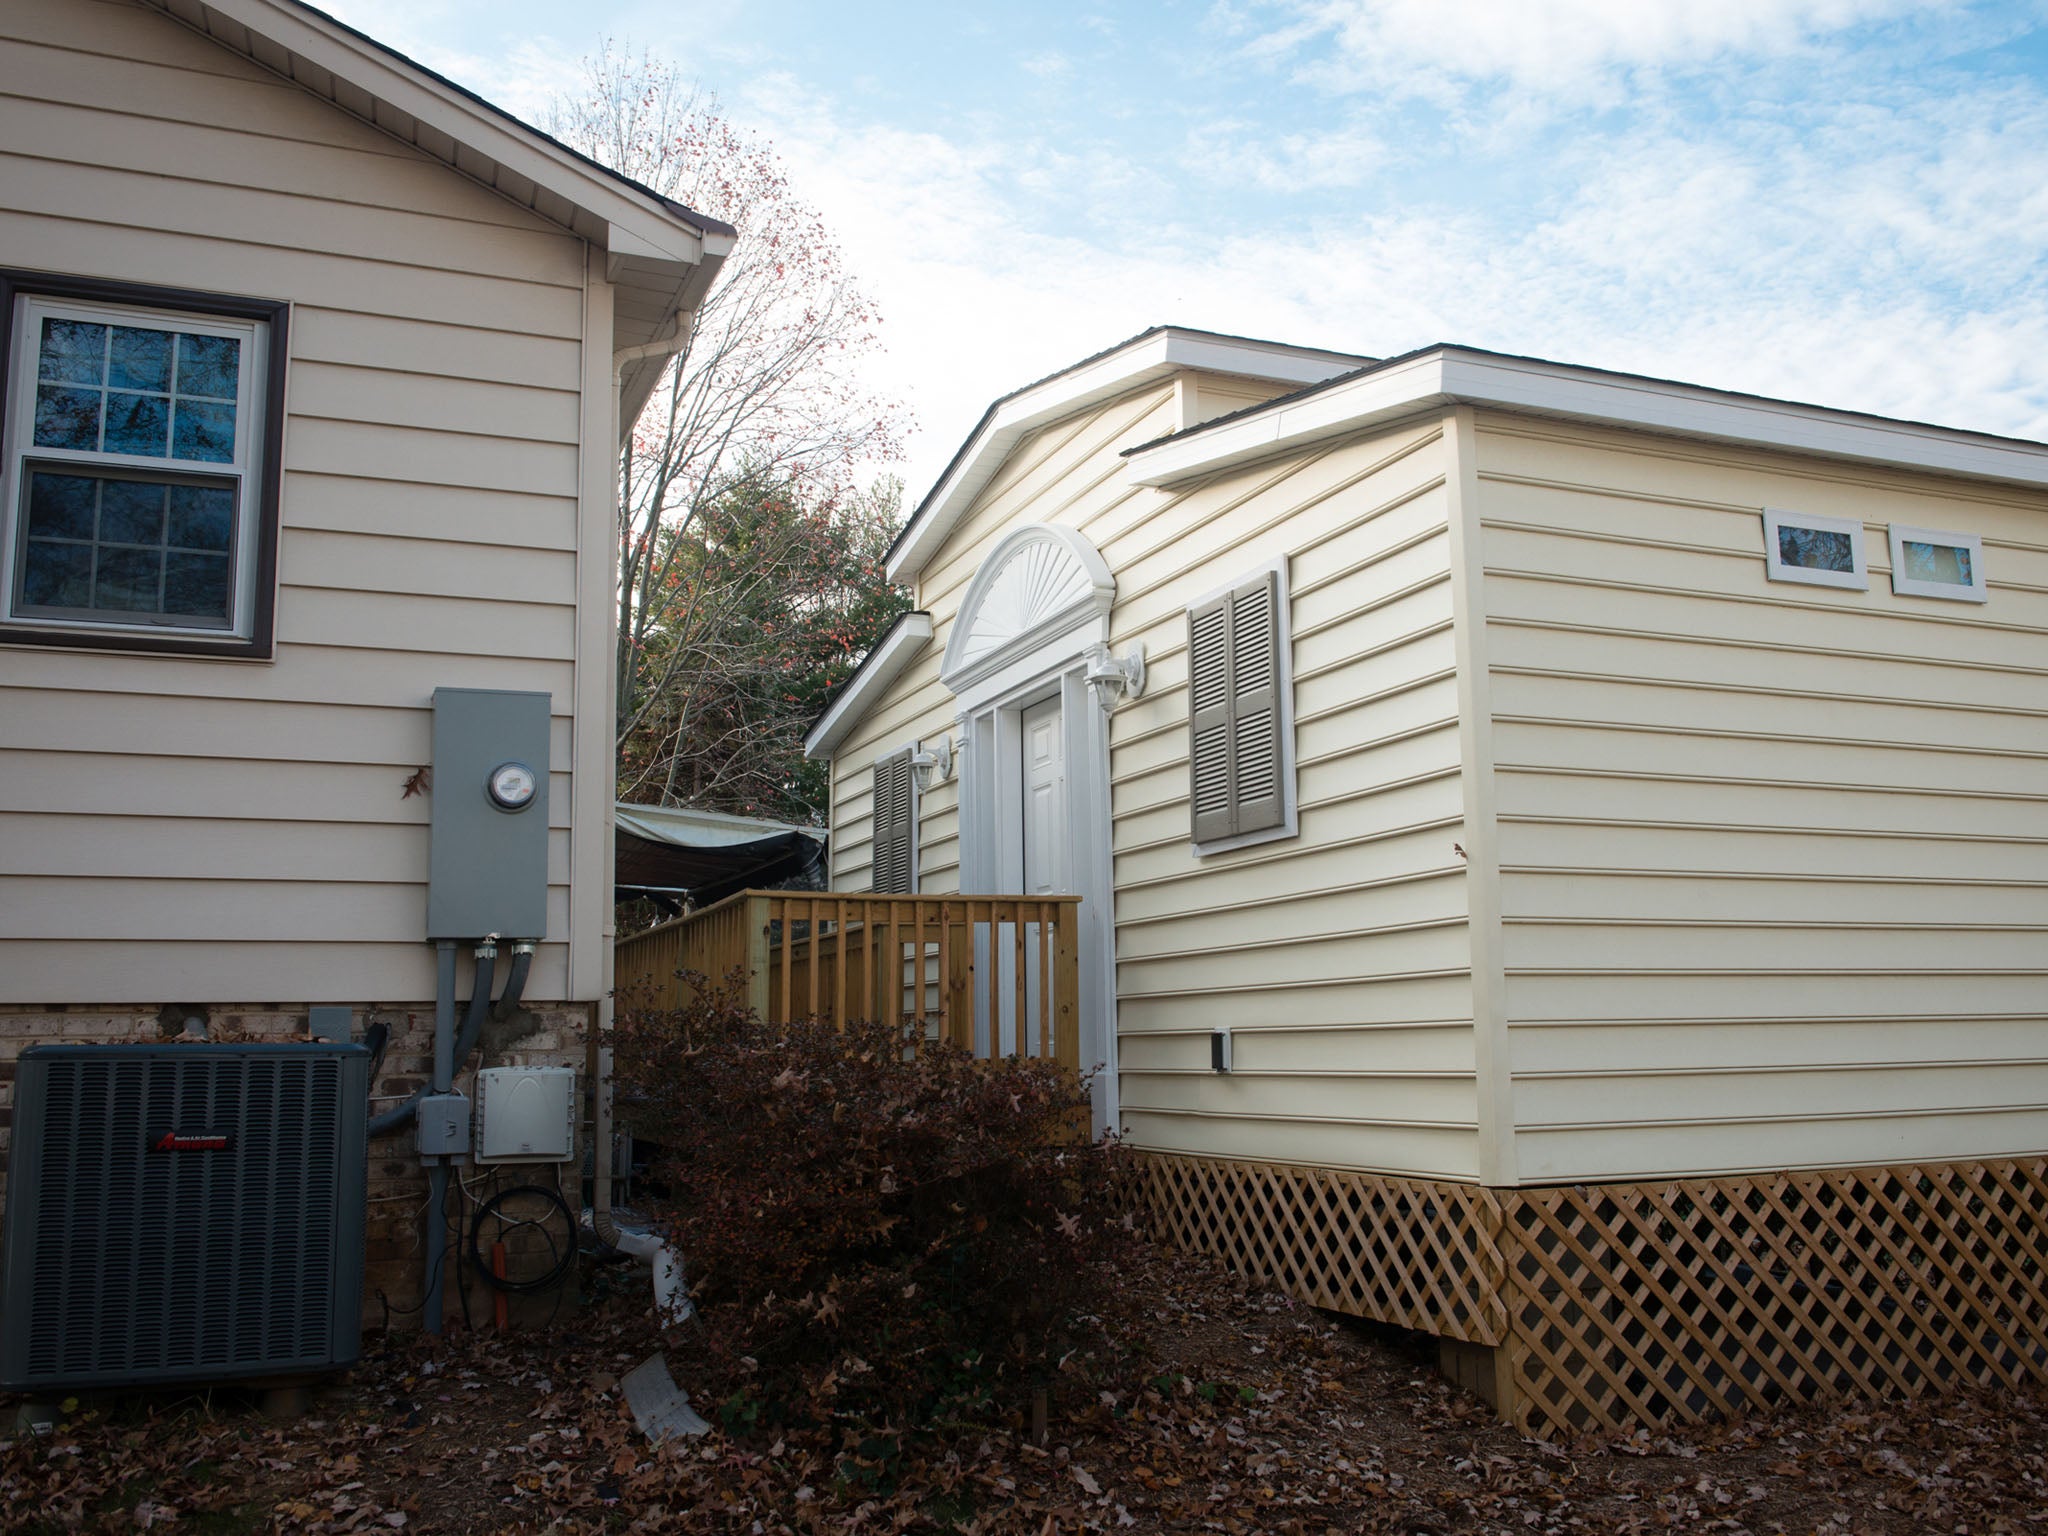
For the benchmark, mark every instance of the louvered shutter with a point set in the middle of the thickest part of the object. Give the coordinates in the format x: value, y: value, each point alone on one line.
x: 1234, y: 682
x: 1255, y: 705
x: 895, y: 828
x: 1209, y: 725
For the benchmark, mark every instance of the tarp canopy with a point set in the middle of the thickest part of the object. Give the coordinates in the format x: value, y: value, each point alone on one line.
x: 670, y: 854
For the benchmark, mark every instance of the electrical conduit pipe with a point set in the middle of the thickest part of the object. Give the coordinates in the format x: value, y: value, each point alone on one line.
x: 671, y: 1300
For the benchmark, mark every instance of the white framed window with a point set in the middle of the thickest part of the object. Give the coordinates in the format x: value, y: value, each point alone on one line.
x: 894, y: 871
x: 139, y: 487
x: 1241, y: 714
x: 1929, y: 563
x: 1820, y: 551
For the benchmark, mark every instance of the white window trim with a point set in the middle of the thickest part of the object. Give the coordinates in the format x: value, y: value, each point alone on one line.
x: 1283, y: 673
x: 1976, y: 591
x: 1857, y: 580
x: 901, y: 749
x: 248, y: 469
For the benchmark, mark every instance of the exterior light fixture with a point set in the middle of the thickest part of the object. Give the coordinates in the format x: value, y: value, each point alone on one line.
x: 929, y: 764
x: 1112, y: 679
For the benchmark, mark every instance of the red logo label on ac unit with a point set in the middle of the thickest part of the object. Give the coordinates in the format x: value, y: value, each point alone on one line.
x: 190, y: 1141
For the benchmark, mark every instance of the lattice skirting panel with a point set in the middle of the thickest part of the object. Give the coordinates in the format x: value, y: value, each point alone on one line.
x: 1415, y: 1252
x: 1626, y: 1304
x: 1648, y: 1303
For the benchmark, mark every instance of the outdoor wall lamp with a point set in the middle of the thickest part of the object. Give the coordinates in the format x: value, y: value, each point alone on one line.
x: 932, y: 763
x: 1111, y: 679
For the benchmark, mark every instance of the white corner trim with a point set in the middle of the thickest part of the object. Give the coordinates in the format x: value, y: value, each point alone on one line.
x: 1446, y: 375
x: 884, y: 663
x: 1155, y: 355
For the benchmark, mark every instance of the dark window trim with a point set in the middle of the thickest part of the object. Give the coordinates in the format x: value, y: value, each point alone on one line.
x: 269, y: 470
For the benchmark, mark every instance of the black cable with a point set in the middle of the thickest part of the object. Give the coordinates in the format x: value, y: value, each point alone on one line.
x: 563, y: 1255
x: 462, y: 1286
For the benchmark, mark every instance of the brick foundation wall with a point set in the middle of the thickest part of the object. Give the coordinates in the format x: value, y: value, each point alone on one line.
x: 548, y: 1035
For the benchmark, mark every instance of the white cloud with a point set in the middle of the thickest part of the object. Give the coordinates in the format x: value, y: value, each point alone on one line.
x: 1872, y: 238
x: 1235, y: 150
x: 1892, y: 265
x: 1049, y: 65
x: 1544, y: 47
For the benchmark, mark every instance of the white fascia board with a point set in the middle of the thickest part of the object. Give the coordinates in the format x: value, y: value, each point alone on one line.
x: 1451, y: 375
x: 1385, y: 394
x: 884, y: 663
x: 308, y: 35
x: 1155, y: 355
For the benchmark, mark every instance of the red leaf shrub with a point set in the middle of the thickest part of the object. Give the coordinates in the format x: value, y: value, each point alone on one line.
x: 867, y: 1229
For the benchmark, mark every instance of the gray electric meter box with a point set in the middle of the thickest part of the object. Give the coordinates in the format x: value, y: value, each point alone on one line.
x: 487, y: 866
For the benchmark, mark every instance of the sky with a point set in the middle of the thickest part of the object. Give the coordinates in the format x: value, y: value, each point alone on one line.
x: 1837, y: 201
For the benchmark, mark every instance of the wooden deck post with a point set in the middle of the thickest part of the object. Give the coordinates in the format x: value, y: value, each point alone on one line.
x: 1067, y: 987
x: 757, y: 951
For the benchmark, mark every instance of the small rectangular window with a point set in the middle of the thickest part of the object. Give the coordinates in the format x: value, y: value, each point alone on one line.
x: 139, y: 485
x: 1928, y: 563
x: 1820, y: 551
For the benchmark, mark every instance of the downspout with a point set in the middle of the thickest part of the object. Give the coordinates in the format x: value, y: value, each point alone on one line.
x: 437, y: 1172
x: 599, y: 1066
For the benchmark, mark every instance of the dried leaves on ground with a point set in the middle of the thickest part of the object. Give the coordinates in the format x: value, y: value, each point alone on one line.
x: 1247, y: 1413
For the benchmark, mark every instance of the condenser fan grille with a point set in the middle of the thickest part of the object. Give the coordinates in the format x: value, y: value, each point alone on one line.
x: 183, y: 1212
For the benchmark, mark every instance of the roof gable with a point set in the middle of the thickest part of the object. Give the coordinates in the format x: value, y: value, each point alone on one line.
x: 660, y: 255
x: 1154, y: 354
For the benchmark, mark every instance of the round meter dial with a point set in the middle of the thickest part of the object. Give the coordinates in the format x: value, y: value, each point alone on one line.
x: 512, y: 786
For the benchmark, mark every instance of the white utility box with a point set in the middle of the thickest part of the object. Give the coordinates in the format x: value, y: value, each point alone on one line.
x: 525, y: 1114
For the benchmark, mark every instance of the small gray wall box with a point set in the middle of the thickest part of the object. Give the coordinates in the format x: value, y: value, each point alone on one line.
x: 487, y: 869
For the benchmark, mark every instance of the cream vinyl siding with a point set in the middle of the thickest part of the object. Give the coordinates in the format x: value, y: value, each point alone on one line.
x: 1774, y: 858
x: 238, y: 828
x: 1340, y: 956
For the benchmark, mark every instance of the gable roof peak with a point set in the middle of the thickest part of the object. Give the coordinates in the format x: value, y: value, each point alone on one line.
x: 1155, y: 353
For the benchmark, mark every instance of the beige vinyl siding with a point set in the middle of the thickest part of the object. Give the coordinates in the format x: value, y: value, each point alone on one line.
x: 1774, y: 858
x: 241, y: 827
x: 1339, y: 956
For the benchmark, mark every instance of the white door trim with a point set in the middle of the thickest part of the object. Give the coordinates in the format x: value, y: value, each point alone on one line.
x: 992, y: 699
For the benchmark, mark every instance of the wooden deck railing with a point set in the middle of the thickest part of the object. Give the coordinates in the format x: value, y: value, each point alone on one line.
x: 997, y: 975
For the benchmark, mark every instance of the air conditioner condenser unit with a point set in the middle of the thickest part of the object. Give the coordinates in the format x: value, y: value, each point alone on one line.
x: 183, y: 1213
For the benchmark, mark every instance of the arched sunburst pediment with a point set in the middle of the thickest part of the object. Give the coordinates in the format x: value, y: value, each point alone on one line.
x: 1037, y: 581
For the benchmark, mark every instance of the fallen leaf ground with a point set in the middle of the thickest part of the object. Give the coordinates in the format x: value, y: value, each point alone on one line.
x: 1251, y: 1413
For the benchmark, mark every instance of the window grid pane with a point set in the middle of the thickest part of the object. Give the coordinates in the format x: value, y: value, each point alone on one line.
x: 111, y: 544
x: 137, y: 390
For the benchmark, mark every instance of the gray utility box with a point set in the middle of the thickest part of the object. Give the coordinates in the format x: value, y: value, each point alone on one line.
x: 487, y: 868
x: 183, y: 1213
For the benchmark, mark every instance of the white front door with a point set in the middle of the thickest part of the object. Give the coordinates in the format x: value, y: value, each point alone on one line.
x: 1045, y: 801
x: 1043, y: 835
